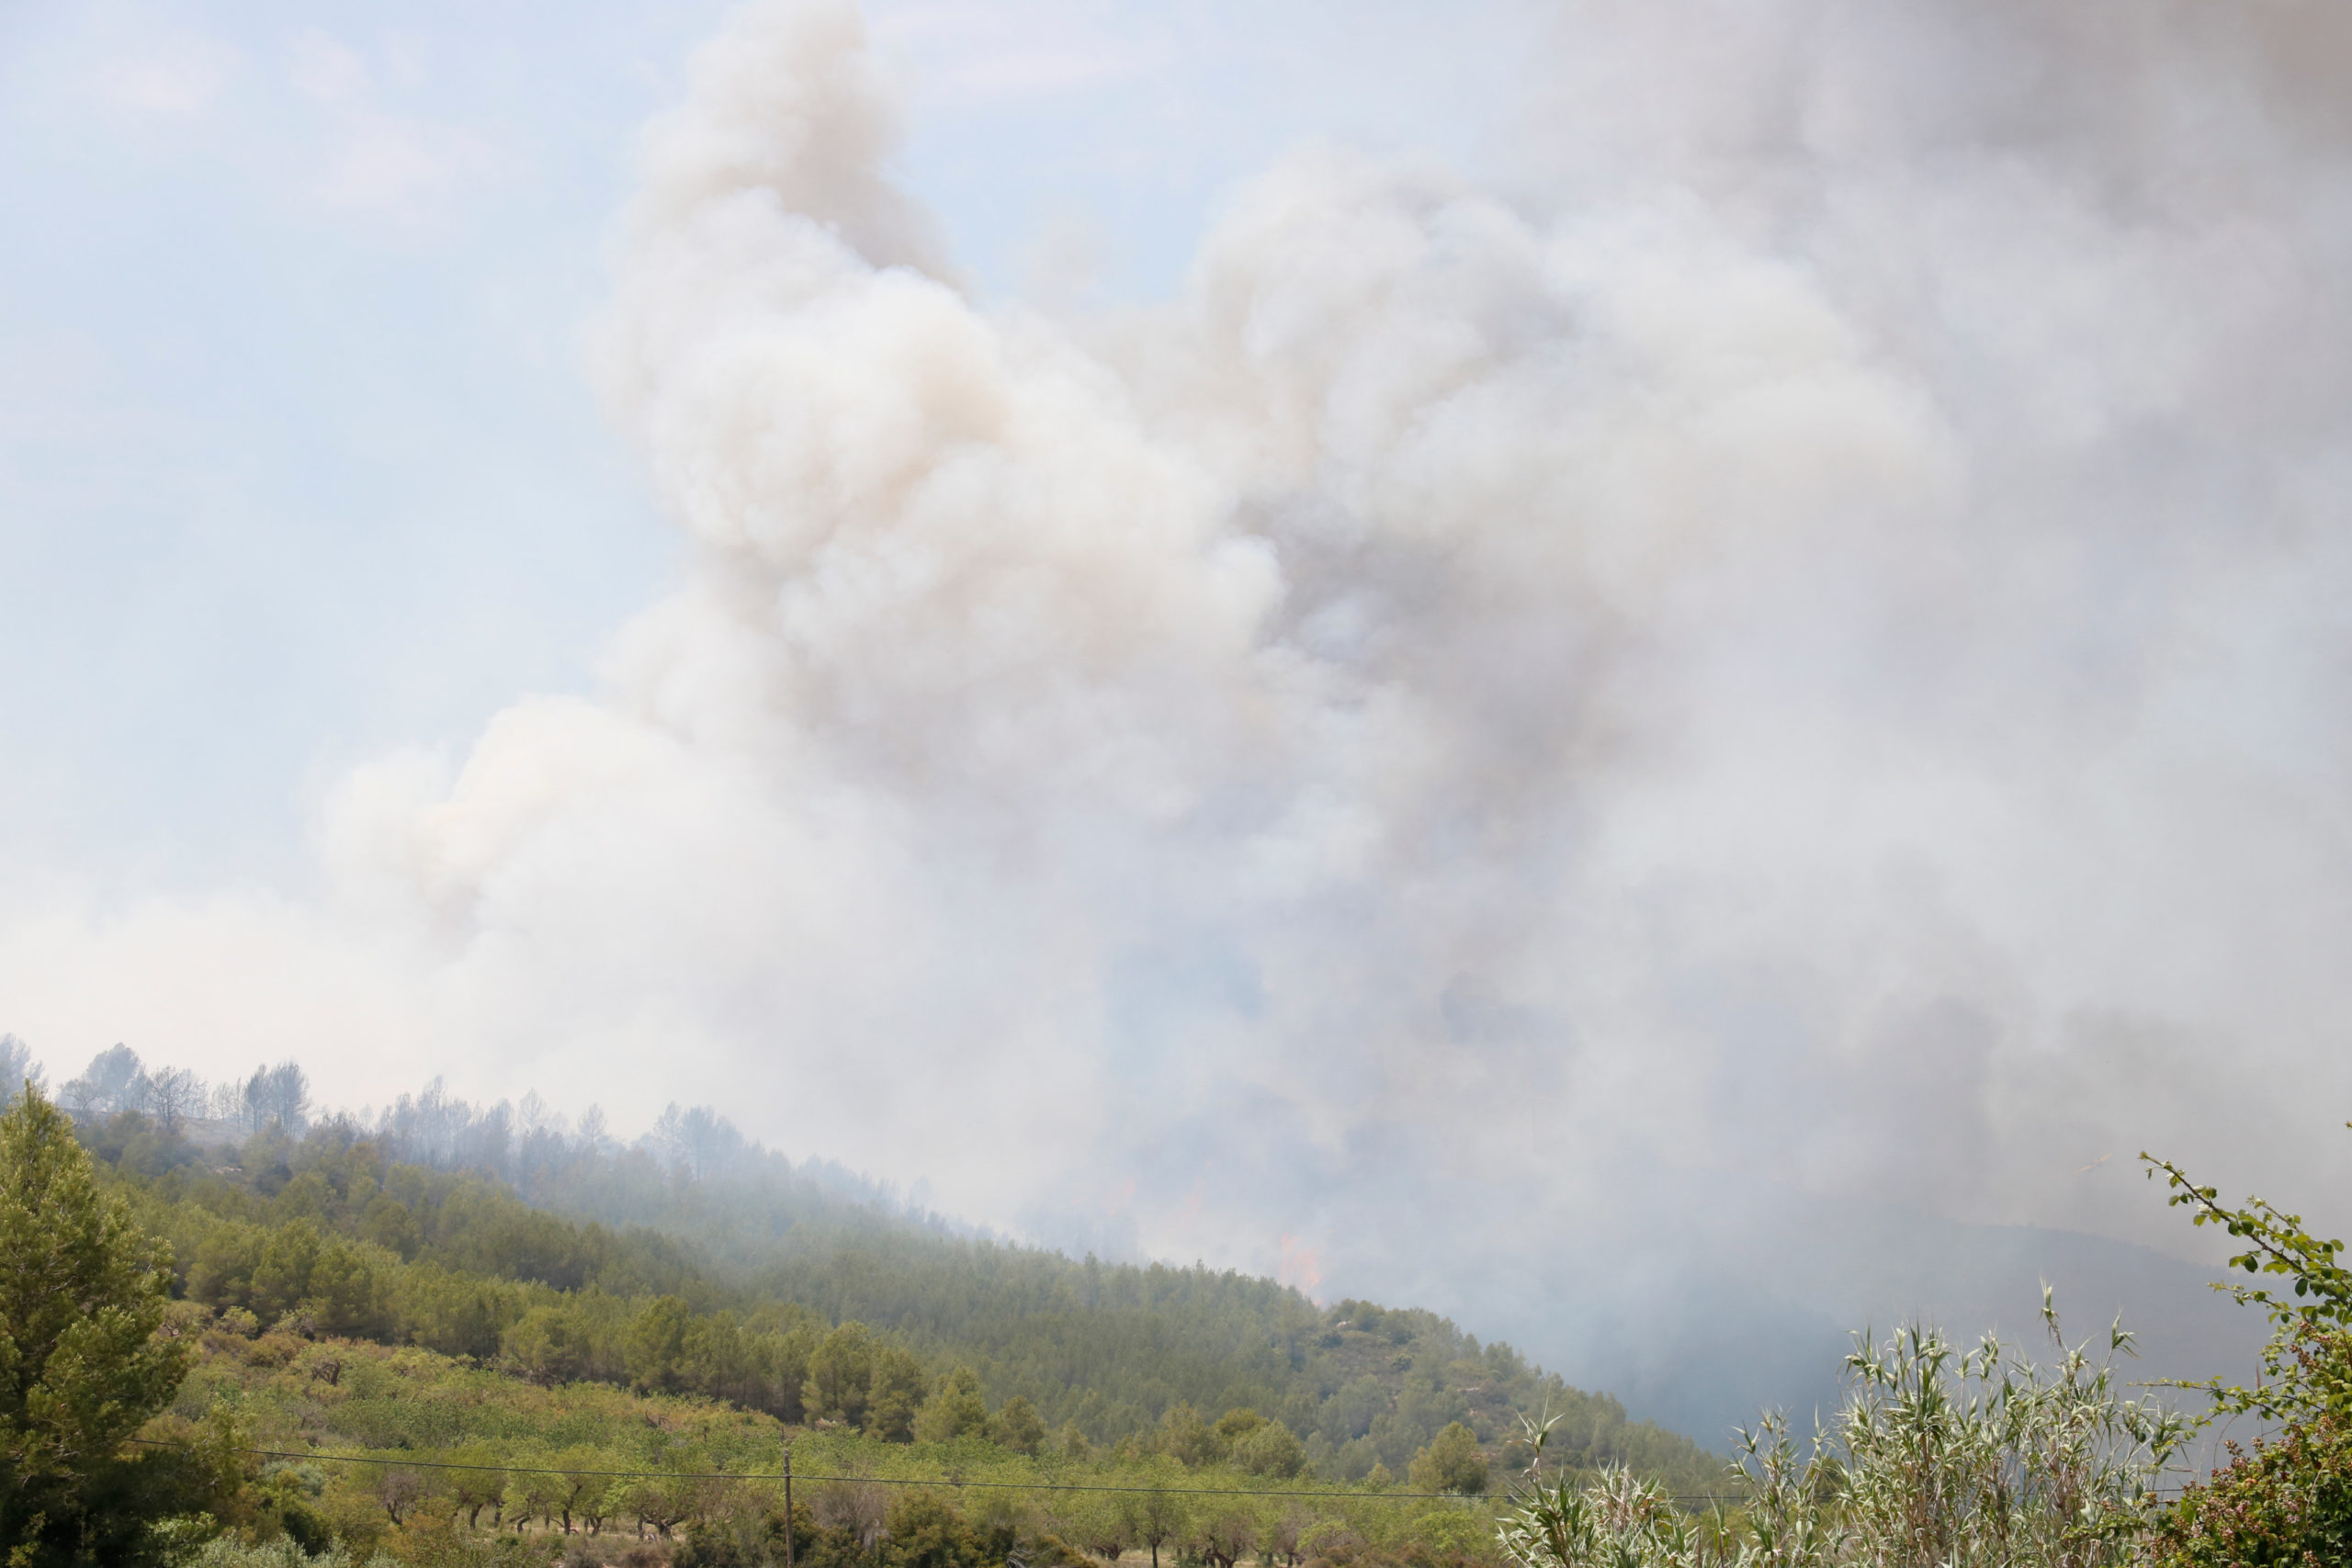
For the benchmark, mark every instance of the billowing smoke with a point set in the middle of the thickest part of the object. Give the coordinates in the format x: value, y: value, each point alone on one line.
x: 1785, y: 661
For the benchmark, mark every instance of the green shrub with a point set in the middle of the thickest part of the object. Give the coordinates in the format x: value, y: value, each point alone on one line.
x: 1937, y: 1458
x: 225, y: 1552
x: 2290, y: 1501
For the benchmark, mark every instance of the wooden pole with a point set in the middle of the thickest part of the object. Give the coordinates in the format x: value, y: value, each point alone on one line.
x: 787, y: 1503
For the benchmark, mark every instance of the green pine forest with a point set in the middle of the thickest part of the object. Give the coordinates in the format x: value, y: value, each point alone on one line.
x: 248, y: 1341
x: 437, y: 1288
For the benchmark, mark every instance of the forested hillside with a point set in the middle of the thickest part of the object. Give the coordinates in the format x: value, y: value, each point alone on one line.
x: 303, y: 1352
x: 694, y: 1261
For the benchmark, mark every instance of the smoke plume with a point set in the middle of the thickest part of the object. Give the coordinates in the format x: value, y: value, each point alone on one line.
x: 1785, y: 656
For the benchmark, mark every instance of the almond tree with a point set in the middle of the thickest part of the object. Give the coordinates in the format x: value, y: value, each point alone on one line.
x: 175, y: 1094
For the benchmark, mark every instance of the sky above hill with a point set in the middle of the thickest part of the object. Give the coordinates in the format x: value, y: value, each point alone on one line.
x: 1384, y: 646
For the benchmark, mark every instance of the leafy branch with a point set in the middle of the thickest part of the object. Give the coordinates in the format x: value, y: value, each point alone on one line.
x: 2304, y: 1366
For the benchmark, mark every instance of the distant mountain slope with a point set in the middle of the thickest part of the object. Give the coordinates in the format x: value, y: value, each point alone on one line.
x: 1748, y: 1293
x: 1111, y: 1346
x: 549, y: 1251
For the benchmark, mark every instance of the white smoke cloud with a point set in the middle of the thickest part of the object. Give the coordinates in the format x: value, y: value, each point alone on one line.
x: 1794, y: 645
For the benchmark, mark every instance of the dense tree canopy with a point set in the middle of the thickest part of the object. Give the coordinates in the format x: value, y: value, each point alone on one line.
x: 1451, y: 1463
x: 765, y: 1288
x: 84, y: 1362
x: 708, y: 1275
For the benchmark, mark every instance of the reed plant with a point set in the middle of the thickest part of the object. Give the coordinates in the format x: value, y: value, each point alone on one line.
x: 1938, y: 1457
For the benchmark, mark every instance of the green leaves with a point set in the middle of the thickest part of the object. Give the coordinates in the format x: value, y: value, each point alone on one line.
x: 2314, y: 1305
x: 1617, y: 1521
x: 83, y: 1363
x: 1451, y: 1462
x: 2290, y: 1501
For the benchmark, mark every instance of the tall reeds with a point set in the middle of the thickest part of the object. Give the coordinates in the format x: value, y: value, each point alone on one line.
x: 1937, y: 1458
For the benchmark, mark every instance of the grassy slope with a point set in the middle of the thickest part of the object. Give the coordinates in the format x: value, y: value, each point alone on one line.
x: 392, y: 1407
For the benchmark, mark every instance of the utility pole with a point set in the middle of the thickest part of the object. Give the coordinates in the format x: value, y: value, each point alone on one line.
x: 787, y: 1503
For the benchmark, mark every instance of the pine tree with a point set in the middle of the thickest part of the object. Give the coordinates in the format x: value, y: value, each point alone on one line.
x: 83, y: 1357
x: 956, y: 1409
x: 1451, y: 1463
x: 1018, y: 1426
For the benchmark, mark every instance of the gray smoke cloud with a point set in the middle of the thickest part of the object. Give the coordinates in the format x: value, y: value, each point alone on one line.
x: 1570, y: 743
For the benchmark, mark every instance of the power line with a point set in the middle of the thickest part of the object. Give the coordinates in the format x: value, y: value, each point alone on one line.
x: 313, y: 1456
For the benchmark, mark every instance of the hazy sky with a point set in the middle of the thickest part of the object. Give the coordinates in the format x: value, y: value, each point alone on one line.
x: 300, y: 459
x: 1421, y: 651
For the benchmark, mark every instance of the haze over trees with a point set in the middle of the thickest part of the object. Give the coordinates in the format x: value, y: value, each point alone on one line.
x: 698, y: 1261
x: 454, y: 1350
x: 332, y: 1298
x: 694, y: 1265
